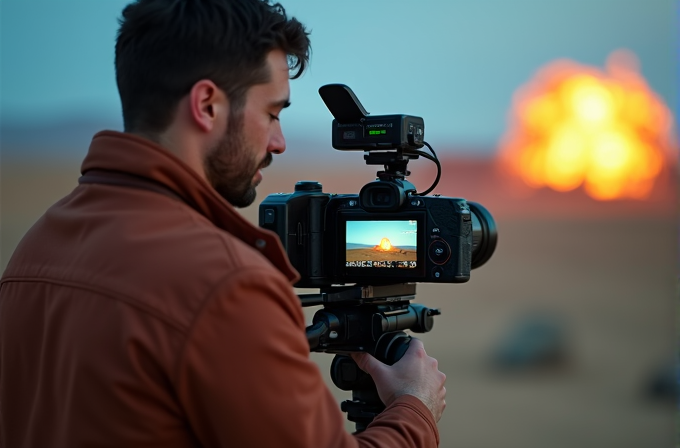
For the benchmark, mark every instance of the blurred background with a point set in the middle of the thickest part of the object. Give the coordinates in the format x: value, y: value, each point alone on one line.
x: 559, y: 117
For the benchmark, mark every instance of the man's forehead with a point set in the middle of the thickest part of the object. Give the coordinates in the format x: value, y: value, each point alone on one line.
x: 275, y: 92
x: 278, y: 60
x: 279, y: 79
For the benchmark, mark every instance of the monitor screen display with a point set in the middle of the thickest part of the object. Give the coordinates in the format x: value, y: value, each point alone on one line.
x: 381, y: 244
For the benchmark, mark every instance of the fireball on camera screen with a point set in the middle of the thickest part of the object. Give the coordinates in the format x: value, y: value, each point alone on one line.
x: 384, y: 245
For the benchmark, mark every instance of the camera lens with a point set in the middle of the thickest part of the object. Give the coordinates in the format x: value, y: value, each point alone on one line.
x: 484, y: 234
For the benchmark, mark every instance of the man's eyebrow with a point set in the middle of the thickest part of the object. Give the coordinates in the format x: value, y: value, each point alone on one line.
x: 281, y: 103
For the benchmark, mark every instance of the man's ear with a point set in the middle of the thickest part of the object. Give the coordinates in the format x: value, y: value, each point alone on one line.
x: 207, y: 104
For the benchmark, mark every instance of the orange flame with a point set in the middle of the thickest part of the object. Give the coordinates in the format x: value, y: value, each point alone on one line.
x: 574, y: 125
x: 385, y: 244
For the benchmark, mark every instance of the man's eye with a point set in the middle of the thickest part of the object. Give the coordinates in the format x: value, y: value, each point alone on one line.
x: 274, y: 117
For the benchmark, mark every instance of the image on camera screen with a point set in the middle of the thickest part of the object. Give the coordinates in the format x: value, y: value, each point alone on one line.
x: 381, y: 244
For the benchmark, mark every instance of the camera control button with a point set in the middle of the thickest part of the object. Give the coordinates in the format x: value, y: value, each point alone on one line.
x: 269, y: 216
x: 308, y: 185
x: 437, y: 272
x: 439, y: 251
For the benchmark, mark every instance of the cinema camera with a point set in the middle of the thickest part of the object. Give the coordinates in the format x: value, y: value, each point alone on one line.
x: 381, y: 241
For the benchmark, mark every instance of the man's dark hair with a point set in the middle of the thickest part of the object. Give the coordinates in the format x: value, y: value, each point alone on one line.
x: 165, y: 46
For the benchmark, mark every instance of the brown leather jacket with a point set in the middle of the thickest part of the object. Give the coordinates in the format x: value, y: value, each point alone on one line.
x: 129, y: 317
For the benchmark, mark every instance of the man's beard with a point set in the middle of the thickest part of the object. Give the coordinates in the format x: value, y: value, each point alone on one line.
x: 230, y: 168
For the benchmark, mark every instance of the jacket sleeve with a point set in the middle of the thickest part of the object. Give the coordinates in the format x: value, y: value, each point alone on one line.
x: 245, y: 377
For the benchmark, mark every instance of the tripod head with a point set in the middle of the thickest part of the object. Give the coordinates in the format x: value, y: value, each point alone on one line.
x: 368, y: 319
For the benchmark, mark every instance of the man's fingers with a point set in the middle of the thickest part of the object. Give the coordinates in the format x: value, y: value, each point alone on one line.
x: 365, y: 361
x: 415, y: 348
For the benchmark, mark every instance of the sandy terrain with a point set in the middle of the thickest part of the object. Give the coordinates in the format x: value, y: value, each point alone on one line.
x: 380, y: 255
x: 603, y: 276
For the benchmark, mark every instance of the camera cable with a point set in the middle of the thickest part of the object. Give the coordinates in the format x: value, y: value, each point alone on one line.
x: 433, y: 158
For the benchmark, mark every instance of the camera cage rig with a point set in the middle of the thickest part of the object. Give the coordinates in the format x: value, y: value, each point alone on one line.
x: 373, y: 313
x: 366, y: 317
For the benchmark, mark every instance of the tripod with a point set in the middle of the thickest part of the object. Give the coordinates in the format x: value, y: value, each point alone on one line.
x: 368, y: 319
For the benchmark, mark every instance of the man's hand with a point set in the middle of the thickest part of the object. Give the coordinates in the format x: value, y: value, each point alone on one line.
x: 415, y: 374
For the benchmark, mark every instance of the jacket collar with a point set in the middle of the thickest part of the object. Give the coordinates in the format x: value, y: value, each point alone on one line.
x: 128, y: 153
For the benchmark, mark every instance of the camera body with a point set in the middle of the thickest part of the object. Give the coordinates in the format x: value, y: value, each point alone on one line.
x: 332, y: 238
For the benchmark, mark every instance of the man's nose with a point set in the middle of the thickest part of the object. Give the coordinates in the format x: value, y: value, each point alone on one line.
x: 277, y: 142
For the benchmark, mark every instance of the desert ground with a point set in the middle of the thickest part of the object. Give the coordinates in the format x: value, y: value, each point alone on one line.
x: 380, y: 255
x: 599, y: 280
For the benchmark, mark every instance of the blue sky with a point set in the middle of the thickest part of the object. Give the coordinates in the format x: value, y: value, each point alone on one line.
x: 456, y: 63
x: 400, y: 233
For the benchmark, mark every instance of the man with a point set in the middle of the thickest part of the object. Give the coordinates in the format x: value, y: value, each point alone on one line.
x: 142, y: 309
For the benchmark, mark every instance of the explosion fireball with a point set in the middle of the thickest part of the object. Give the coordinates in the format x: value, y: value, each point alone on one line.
x: 384, y: 245
x: 575, y: 125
